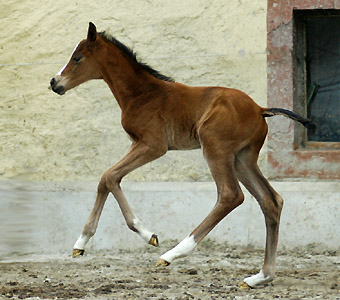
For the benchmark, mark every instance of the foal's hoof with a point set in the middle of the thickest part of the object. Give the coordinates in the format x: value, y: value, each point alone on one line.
x: 77, y: 252
x: 245, y: 286
x: 154, y: 240
x: 162, y: 263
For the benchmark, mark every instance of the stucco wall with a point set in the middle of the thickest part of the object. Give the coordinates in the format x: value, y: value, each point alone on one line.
x: 78, y: 136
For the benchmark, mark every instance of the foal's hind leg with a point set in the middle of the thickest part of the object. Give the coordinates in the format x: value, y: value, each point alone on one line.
x: 271, y: 204
x: 138, y: 155
x: 229, y: 197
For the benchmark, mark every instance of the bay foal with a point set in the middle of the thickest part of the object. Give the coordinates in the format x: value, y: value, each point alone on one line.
x: 159, y: 115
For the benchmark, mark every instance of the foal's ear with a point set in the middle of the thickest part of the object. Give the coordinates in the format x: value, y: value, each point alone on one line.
x: 92, y: 33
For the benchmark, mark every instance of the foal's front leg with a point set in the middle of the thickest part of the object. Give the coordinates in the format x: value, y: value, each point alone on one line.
x: 92, y: 221
x: 139, y: 154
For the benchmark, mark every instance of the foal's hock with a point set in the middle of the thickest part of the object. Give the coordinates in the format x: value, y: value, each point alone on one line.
x: 160, y: 114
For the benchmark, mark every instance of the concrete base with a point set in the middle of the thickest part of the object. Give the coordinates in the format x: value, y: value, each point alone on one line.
x: 48, y: 217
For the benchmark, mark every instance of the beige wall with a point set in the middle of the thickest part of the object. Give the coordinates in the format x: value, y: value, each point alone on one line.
x: 78, y: 136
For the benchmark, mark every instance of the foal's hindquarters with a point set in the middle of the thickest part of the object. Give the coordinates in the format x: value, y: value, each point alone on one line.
x: 231, y: 135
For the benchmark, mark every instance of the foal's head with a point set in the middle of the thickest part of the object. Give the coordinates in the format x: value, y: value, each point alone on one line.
x: 81, y: 66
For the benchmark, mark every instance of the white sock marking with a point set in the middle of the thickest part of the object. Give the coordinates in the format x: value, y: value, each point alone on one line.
x: 258, y: 279
x: 143, y: 232
x: 182, y: 249
x: 81, y: 242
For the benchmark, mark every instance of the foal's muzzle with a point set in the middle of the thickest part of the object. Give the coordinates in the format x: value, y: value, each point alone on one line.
x: 59, y: 89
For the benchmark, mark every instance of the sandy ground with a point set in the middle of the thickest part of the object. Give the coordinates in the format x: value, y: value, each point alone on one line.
x: 213, y: 271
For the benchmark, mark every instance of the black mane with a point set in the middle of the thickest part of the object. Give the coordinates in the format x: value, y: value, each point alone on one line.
x: 133, y: 55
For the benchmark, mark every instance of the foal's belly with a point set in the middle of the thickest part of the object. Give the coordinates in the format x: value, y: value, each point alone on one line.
x: 187, y: 146
x: 183, y: 141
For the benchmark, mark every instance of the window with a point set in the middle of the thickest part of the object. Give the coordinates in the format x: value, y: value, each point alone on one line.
x: 317, y: 78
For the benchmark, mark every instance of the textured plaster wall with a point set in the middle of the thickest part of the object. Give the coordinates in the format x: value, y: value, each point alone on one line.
x: 78, y: 136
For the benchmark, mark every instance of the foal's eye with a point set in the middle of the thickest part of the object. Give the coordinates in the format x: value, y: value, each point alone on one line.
x: 77, y: 59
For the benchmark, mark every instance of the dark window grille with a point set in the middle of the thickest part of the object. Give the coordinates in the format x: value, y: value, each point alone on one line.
x: 323, y: 76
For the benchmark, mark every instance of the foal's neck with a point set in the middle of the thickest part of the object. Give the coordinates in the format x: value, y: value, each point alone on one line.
x: 127, y: 80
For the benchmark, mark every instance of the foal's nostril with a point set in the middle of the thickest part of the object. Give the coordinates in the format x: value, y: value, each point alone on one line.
x: 52, y: 82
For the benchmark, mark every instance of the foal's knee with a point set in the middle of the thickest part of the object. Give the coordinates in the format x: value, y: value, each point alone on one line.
x: 109, y: 181
x: 102, y: 188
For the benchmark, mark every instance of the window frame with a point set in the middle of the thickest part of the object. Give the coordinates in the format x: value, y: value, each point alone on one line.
x: 289, y: 154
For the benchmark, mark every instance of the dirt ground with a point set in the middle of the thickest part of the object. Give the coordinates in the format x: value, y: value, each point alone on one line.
x: 213, y: 271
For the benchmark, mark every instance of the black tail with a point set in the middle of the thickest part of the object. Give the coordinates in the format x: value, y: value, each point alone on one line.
x: 270, y: 112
